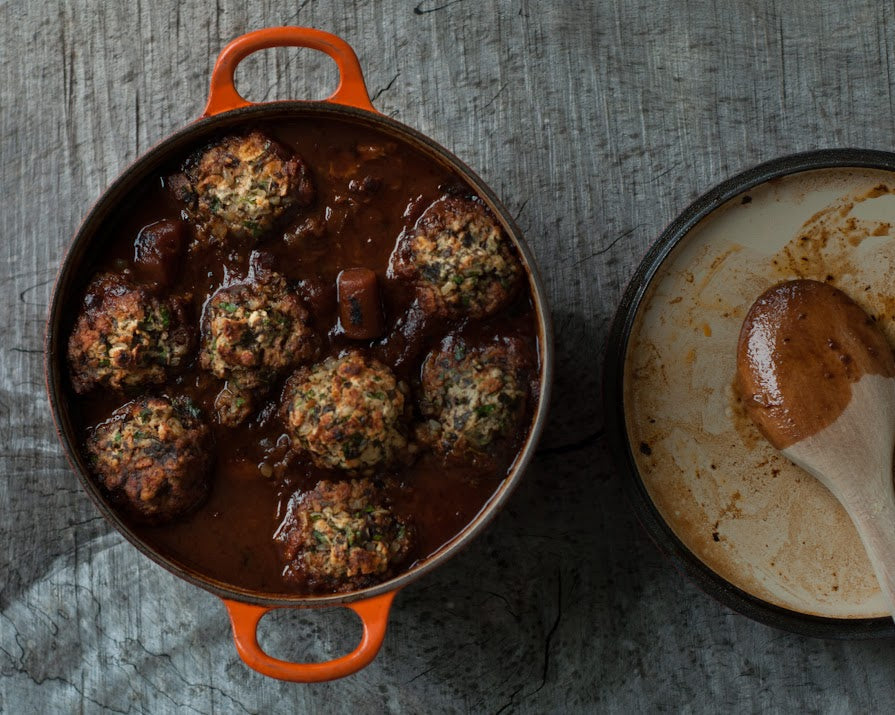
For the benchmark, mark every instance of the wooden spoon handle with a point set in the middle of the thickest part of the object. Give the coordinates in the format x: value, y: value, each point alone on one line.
x: 874, y: 518
x: 853, y: 458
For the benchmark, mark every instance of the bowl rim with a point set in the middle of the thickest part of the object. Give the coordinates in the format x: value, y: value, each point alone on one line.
x: 188, y: 138
x: 650, y: 519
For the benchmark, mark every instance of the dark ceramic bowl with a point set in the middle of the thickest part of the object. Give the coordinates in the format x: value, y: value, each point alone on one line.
x: 681, y: 555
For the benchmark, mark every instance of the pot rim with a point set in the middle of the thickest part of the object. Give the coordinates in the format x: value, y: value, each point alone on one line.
x: 650, y: 519
x: 189, y: 137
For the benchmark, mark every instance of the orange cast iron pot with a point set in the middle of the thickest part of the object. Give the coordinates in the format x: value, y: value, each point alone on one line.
x: 227, y: 109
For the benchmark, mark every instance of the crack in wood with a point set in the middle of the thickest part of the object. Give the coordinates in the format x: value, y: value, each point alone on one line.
x: 420, y: 675
x: 418, y: 10
x: 506, y: 604
x: 510, y: 700
x: 30, y: 288
x: 491, y: 101
x: 384, y: 89
x: 174, y: 671
x: 552, y: 632
x: 609, y: 247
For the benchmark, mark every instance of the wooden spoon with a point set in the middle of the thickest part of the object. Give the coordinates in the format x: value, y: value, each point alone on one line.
x: 818, y: 379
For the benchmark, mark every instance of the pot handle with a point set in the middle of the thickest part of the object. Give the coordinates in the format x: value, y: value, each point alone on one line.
x: 373, y: 613
x: 222, y: 95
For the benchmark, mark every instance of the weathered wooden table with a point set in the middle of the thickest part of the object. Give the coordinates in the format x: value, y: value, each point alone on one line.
x: 596, y: 122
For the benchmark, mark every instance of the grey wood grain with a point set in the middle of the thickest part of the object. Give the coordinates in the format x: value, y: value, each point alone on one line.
x: 596, y: 122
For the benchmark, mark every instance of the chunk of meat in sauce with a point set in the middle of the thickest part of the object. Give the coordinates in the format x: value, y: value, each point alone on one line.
x: 307, y: 234
x: 158, y: 251
x: 360, y: 308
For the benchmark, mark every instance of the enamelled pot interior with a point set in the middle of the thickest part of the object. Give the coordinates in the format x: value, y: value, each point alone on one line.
x: 180, y: 144
x: 613, y: 385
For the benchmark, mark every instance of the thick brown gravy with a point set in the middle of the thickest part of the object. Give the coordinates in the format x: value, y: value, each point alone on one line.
x: 229, y: 537
x: 802, y: 345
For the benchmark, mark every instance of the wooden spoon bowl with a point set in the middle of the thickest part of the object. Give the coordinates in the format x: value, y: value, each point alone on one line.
x: 818, y: 379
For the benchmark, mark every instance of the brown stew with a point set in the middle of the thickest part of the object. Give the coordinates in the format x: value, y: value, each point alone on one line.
x: 369, y: 188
